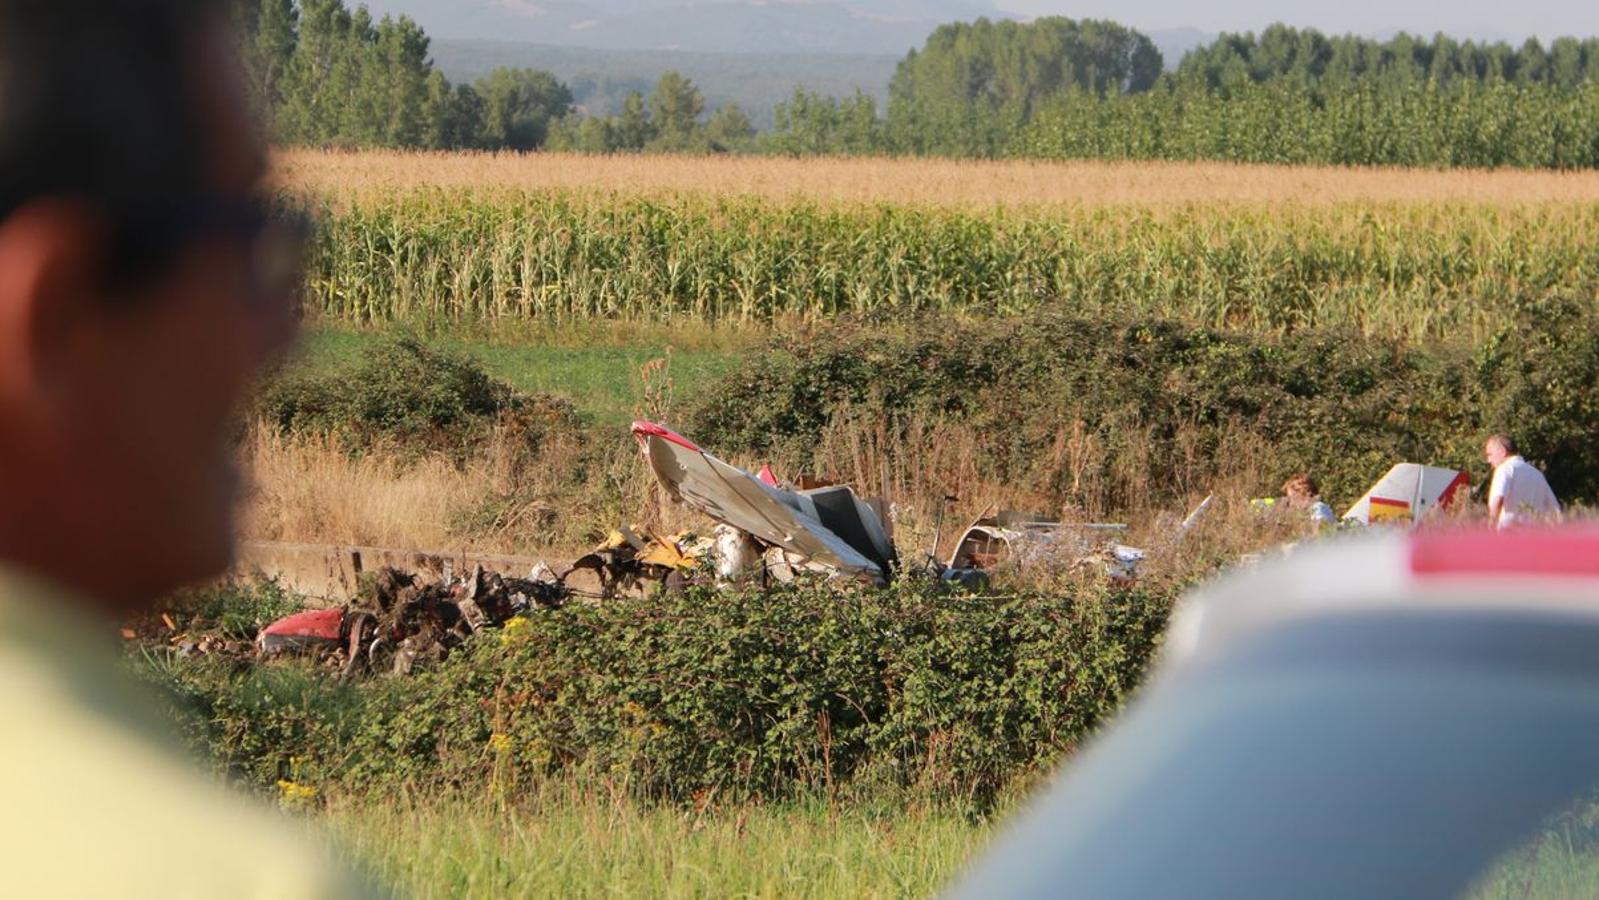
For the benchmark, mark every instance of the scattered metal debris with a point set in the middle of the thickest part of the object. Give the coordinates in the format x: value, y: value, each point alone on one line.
x: 308, y: 631
x: 401, y: 621
x: 826, y: 528
x: 631, y: 562
x: 1021, y: 539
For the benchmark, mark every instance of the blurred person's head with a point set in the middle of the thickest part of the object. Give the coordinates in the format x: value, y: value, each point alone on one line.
x: 138, y: 292
x: 1497, y: 449
x: 1301, y: 489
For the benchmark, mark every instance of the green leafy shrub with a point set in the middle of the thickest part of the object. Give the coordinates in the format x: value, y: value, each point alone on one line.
x: 1159, y: 391
x: 403, y: 392
x: 1535, y: 381
x: 237, y: 608
x: 1172, y: 395
x: 771, y: 693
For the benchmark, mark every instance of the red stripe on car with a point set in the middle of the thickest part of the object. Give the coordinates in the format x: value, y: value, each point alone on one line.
x: 1566, y: 552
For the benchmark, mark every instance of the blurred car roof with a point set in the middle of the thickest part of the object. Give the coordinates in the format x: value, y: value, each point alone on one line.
x: 1373, y: 716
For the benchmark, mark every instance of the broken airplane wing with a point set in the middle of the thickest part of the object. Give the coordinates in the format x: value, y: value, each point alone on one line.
x: 786, y: 519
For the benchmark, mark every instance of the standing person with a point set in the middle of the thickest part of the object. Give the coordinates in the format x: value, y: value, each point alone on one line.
x: 141, y: 284
x: 1519, y: 493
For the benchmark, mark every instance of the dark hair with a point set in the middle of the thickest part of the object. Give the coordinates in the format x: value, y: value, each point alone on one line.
x: 98, y: 102
x: 1504, y: 441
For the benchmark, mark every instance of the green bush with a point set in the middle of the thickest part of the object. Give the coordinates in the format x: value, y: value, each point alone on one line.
x: 1172, y: 396
x: 751, y: 693
x: 1535, y: 381
x: 405, y: 393
x: 238, y: 609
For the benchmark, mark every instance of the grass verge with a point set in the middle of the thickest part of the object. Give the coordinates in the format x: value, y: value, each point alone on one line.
x: 585, y: 844
x: 600, y: 369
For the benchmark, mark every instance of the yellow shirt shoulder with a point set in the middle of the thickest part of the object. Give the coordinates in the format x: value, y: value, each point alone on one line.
x: 93, y: 808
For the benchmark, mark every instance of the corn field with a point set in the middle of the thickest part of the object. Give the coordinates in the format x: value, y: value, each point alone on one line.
x: 460, y: 256
x: 1032, y: 186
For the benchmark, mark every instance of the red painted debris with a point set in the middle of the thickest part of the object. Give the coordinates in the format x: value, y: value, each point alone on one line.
x: 643, y: 429
x: 325, y: 624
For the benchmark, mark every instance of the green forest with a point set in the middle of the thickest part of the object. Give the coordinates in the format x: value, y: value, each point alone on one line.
x: 1054, y: 88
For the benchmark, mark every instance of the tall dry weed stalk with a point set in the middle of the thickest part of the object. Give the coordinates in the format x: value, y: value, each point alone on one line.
x: 927, y: 460
x: 656, y: 394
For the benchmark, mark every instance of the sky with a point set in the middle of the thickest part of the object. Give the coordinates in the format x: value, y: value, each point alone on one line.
x: 1464, y: 18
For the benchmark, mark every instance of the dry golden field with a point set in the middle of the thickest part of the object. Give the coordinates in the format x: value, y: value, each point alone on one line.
x: 966, y: 184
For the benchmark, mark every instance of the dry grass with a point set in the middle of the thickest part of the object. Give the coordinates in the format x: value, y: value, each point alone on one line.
x: 1073, y: 482
x: 500, y: 500
x: 309, y: 489
x: 557, y: 499
x: 933, y: 182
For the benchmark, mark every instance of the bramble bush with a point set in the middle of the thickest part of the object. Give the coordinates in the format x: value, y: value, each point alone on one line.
x: 1176, y: 397
x: 1106, y: 414
x: 1535, y: 380
x: 405, y: 394
x: 742, y: 693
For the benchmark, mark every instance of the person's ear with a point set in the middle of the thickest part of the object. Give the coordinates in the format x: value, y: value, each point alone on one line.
x: 49, y: 254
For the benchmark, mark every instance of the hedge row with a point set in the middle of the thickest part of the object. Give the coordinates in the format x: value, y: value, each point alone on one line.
x: 771, y: 694
x: 1178, y: 398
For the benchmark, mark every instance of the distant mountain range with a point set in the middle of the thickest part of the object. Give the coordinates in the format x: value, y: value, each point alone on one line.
x: 832, y: 27
x: 707, y: 26
x: 599, y: 79
x: 1174, y: 43
x: 863, y: 27
x: 755, y: 82
x: 749, y: 52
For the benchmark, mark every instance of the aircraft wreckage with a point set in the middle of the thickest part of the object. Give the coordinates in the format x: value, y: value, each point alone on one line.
x: 763, y: 529
x: 826, y: 529
x: 831, y: 531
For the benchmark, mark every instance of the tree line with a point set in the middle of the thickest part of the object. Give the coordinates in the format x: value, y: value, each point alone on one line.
x: 327, y: 75
x: 1309, y: 60
x: 1485, y: 125
x: 1054, y: 88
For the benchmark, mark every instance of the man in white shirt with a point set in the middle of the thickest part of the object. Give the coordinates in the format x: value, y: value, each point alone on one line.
x: 1519, y: 494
